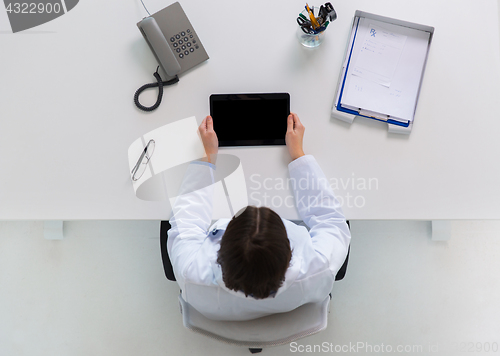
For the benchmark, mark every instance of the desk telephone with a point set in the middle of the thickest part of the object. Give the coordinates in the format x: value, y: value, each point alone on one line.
x: 175, y: 45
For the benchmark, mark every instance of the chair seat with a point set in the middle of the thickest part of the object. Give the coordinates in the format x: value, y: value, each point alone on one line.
x: 271, y: 330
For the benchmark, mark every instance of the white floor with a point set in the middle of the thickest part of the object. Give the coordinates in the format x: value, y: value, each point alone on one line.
x: 102, y: 291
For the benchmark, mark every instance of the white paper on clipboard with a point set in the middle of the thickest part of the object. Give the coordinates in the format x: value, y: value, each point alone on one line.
x: 398, y: 100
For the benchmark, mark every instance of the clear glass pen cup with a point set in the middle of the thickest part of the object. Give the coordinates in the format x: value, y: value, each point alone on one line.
x: 307, y: 35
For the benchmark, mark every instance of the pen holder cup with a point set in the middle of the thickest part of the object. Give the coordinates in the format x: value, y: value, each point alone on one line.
x: 307, y: 35
x: 310, y: 40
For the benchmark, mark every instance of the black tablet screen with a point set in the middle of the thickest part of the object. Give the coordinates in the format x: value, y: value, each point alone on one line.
x: 250, y: 119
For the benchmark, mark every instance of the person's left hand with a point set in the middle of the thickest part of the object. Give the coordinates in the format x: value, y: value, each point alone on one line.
x: 208, y: 136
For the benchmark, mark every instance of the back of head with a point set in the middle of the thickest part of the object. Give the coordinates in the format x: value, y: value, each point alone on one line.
x: 255, y: 252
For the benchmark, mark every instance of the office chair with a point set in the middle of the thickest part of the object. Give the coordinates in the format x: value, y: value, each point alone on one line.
x: 272, y: 330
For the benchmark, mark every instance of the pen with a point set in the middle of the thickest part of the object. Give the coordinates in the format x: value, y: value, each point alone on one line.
x: 303, y: 17
x: 314, y: 22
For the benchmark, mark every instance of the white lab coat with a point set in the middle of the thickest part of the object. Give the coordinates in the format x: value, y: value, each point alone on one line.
x: 317, y: 254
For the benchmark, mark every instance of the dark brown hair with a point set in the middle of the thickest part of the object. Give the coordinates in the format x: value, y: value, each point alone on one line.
x: 255, y: 252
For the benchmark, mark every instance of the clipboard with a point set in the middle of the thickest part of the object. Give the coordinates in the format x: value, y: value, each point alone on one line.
x: 347, y: 114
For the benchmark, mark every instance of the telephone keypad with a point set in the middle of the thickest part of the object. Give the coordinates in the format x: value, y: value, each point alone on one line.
x: 181, y: 43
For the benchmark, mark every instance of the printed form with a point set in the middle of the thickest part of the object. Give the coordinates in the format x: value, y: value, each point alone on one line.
x: 379, y: 56
x: 384, y: 72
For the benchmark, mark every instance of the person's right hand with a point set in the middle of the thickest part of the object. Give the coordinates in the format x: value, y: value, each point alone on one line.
x: 294, y: 136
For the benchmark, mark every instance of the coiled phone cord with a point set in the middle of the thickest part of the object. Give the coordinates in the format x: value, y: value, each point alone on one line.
x: 160, y: 85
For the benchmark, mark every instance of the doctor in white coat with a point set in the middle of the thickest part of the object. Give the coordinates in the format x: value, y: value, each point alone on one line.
x: 309, y: 268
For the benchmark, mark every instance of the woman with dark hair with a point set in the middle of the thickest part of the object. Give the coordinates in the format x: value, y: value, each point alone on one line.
x: 257, y: 263
x: 255, y: 252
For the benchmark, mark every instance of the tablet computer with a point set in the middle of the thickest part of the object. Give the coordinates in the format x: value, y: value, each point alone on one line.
x: 250, y: 119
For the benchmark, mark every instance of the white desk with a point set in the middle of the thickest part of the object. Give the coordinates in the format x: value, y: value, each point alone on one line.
x: 67, y: 116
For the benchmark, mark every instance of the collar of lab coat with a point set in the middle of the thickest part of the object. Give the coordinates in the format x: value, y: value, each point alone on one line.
x: 220, y: 224
x: 290, y: 275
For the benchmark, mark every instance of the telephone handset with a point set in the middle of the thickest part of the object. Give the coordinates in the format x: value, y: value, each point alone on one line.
x: 174, y: 43
x: 159, y: 46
